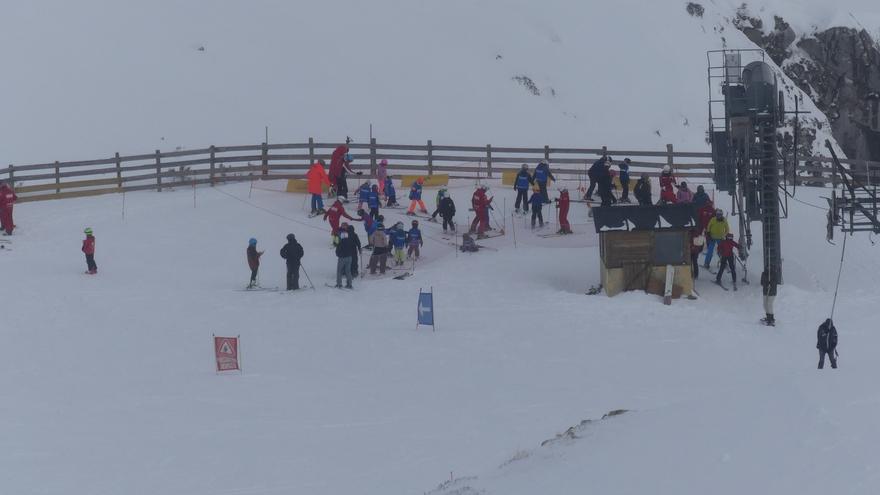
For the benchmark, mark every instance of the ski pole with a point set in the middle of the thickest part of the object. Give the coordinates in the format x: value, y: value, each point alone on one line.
x: 301, y: 267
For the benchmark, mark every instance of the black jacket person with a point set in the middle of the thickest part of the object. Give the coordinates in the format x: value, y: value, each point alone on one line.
x: 293, y: 253
x: 826, y: 342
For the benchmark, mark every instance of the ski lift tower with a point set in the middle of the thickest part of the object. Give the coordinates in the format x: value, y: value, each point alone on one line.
x: 745, y: 111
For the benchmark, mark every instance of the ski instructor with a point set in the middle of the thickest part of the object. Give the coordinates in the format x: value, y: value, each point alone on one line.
x: 340, y: 165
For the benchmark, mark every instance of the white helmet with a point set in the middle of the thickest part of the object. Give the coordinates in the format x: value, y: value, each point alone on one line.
x: 666, y: 169
x: 484, y: 187
x: 340, y: 198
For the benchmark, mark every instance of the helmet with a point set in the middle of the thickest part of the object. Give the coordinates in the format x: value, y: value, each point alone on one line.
x: 484, y: 187
x: 415, y: 222
x: 627, y: 161
x: 375, y: 187
x: 291, y: 237
x: 564, y: 189
x: 719, y: 212
x: 381, y: 218
x: 524, y: 166
x: 729, y: 236
x: 700, y: 189
x: 361, y: 212
x: 252, y: 242
x: 542, y: 162
x: 340, y: 198
x: 348, y: 157
x: 420, y: 180
x: 684, y: 184
x: 88, y: 231
x: 666, y: 169
x: 398, y: 224
x: 383, y: 162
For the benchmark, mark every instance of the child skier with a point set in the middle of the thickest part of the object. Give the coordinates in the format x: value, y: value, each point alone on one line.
x: 379, y: 257
x: 562, y: 203
x: 381, y: 175
x: 725, y: 252
x: 468, y: 245
x: 398, y: 240
x: 369, y: 225
x: 716, y: 230
x: 667, y: 186
x: 414, y: 240
x: 88, y: 248
x: 447, y: 211
x: 390, y: 193
x: 415, y: 197
x: 643, y: 191
x: 253, y: 259
x: 684, y: 194
x: 624, y: 180
x: 373, y: 202
x: 363, y: 194
x: 442, y: 193
x: 537, y: 201
x: 334, y: 214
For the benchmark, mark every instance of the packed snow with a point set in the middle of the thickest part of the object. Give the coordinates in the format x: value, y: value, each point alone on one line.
x: 110, y: 384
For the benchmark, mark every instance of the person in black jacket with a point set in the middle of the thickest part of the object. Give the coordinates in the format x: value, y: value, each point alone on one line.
x: 603, y: 180
x: 593, y: 173
x: 293, y: 253
x: 346, y: 250
x: 355, y: 267
x: 826, y: 342
x: 447, y: 211
x: 768, y: 286
x: 642, y: 191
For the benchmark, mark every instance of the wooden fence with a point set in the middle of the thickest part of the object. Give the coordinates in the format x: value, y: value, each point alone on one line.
x: 222, y: 164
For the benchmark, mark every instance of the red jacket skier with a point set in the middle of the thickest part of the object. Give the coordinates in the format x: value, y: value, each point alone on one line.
x: 7, y: 199
x: 725, y: 252
x: 88, y: 248
x: 667, y: 186
x: 481, y: 204
x: 335, y: 213
x: 563, y: 204
x: 704, y: 214
x: 336, y: 160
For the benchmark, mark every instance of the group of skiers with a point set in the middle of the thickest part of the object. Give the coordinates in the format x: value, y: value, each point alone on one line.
x: 537, y: 182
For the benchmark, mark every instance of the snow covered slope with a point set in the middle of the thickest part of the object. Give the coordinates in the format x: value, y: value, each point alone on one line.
x: 89, y: 78
x: 109, y: 384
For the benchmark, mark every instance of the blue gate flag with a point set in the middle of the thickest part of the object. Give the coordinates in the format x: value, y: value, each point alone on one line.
x: 426, y: 308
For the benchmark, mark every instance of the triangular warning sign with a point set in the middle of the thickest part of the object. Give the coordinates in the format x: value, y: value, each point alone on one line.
x: 225, y: 349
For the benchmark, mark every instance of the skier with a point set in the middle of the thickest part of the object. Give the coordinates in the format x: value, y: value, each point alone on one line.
x: 604, y: 181
x: 481, y: 204
x: 369, y: 224
x: 334, y: 214
x: 447, y: 212
x: 88, y: 248
x: 7, y: 199
x: 381, y: 175
x: 596, y: 169
x: 379, y: 258
x: 373, y: 202
x: 521, y: 185
x: 705, y: 213
x: 292, y: 252
x: 253, y: 259
x: 346, y: 251
x: 684, y: 194
x: 725, y: 252
x: 826, y: 342
x: 698, y: 240
x: 414, y: 240
x: 468, y: 245
x: 643, y: 191
x: 542, y: 175
x: 562, y: 203
x: 537, y: 202
x: 317, y: 179
x: 336, y: 172
x: 353, y: 237
x: 768, y: 287
x: 700, y: 197
x: 667, y: 186
x: 390, y: 193
x: 363, y: 194
x: 398, y: 240
x: 415, y: 197
x: 440, y: 195
x: 624, y: 180
x: 716, y: 230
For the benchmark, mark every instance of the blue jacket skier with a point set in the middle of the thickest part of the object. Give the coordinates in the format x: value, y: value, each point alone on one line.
x: 390, y: 192
x: 537, y: 202
x: 521, y: 185
x: 542, y: 175
x: 373, y: 202
x: 414, y: 240
x: 397, y: 236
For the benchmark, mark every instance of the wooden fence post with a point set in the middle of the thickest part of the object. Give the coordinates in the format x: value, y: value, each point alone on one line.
x: 57, y: 178
x: 11, y: 176
x: 488, y: 161
x: 372, y: 157
x: 670, y: 157
x: 547, y: 153
x: 213, y: 164
x: 430, y: 158
x: 159, y: 170
x: 118, y: 170
x: 265, y: 159
x: 311, y: 151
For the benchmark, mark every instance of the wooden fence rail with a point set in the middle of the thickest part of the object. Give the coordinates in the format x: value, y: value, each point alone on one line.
x: 221, y: 164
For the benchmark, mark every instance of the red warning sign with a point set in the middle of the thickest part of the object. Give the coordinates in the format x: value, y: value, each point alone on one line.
x: 226, y: 352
